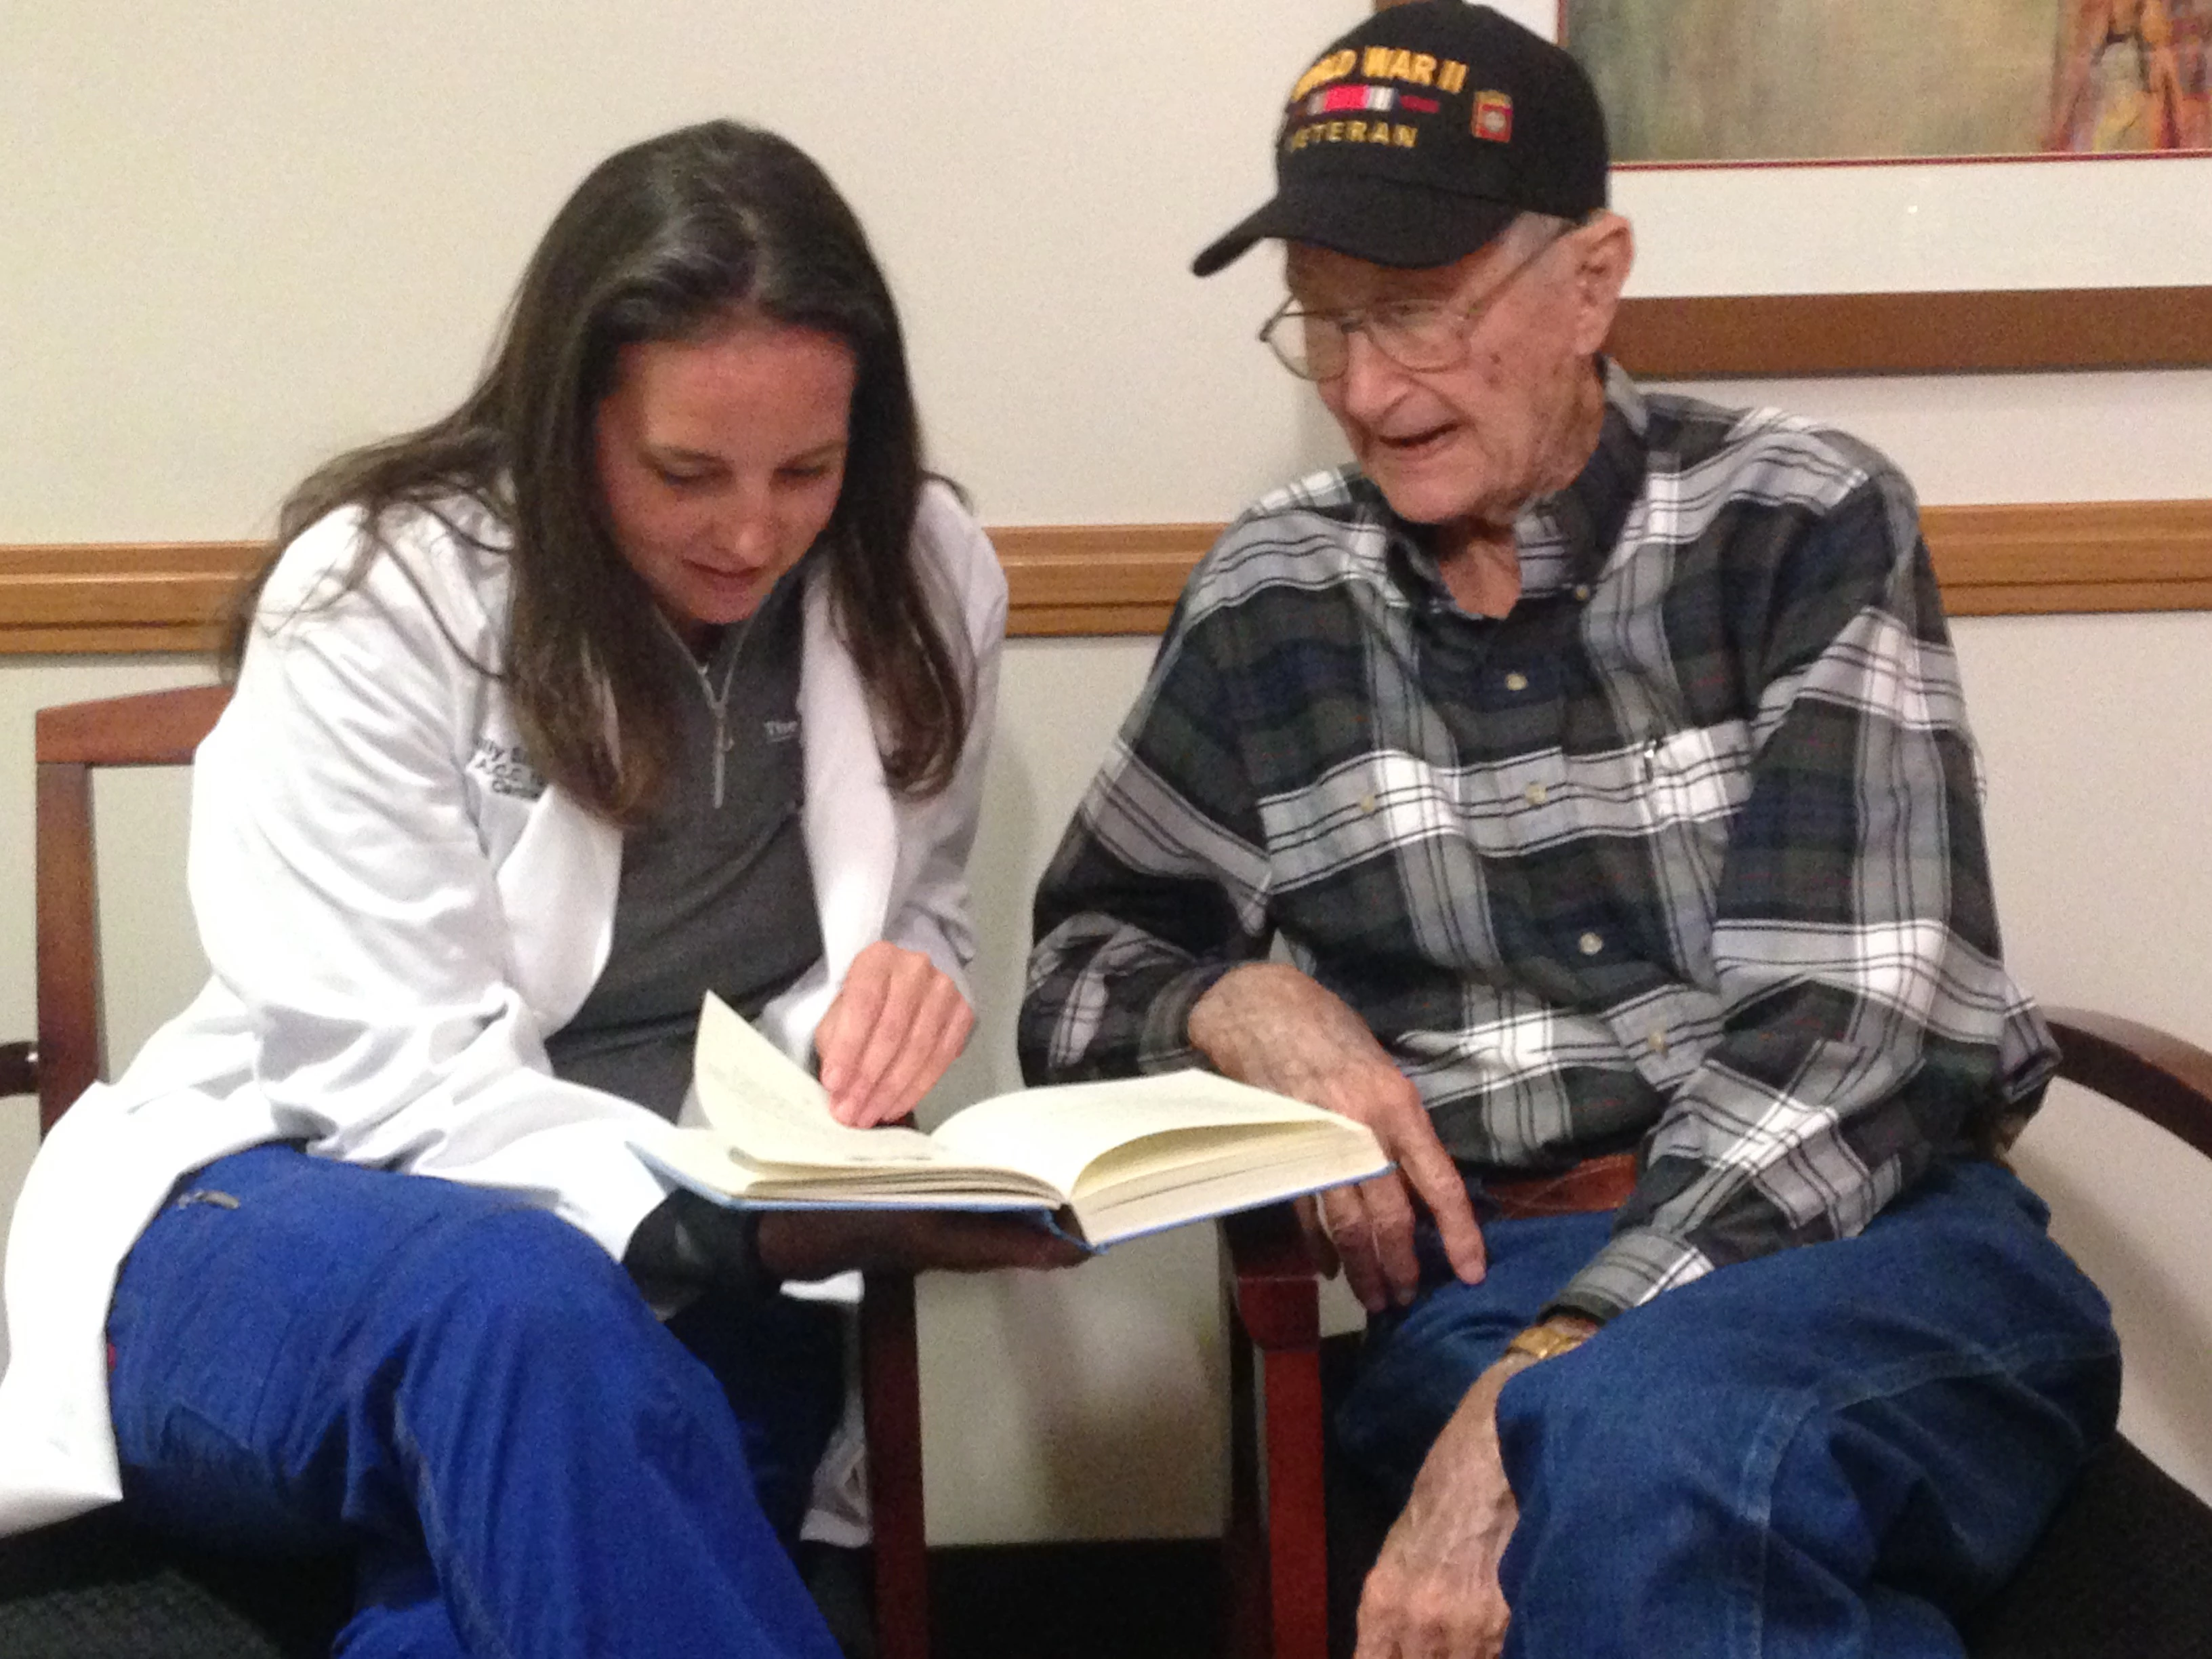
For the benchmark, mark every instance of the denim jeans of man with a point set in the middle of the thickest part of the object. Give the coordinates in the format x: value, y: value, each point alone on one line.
x: 1824, y: 1451
x: 468, y: 1391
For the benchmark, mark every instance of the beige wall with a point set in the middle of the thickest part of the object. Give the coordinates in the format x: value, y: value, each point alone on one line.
x: 240, y: 235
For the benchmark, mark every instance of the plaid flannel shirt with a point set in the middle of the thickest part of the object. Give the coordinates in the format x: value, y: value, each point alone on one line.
x: 1685, y: 854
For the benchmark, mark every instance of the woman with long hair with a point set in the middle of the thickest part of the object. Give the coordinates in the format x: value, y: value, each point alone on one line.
x: 659, y: 667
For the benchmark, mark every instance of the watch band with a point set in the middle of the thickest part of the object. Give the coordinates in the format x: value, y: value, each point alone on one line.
x: 1547, y: 1340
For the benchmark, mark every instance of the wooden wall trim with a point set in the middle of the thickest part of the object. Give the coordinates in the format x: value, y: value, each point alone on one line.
x: 1096, y: 579
x: 2072, y: 556
x: 1984, y: 332
x: 2013, y: 560
x: 112, y: 599
x: 117, y: 597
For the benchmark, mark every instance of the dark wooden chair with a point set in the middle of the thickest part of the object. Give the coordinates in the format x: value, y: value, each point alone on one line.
x: 96, y: 1586
x: 2124, y: 1569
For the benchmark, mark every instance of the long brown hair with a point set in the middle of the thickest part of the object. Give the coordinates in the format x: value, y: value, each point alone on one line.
x: 664, y: 240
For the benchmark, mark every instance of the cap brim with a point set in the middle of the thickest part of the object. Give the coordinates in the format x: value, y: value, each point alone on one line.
x: 1382, y: 221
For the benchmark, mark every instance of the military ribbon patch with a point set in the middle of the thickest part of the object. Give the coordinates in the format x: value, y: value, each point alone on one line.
x: 1333, y: 99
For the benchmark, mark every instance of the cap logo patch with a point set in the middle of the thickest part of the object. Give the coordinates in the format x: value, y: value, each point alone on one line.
x: 1493, y: 117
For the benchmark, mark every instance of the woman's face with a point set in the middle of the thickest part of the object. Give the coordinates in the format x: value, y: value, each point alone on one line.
x: 719, y: 461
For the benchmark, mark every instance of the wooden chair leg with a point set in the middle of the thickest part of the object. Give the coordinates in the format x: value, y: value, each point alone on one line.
x: 891, y: 1402
x: 1278, y: 1561
x: 69, y: 1051
x: 1298, y: 1546
x: 1276, y: 1566
x: 1244, y: 1545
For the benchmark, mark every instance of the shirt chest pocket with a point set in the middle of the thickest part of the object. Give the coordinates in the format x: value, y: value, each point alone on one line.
x: 1694, y: 783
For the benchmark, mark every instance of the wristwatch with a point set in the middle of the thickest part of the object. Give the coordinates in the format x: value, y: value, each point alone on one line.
x: 1551, y: 1338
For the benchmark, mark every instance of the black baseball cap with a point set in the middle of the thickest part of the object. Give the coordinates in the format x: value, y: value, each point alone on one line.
x: 1423, y: 133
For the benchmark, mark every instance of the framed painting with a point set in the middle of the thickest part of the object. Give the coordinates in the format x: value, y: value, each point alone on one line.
x: 1765, y: 81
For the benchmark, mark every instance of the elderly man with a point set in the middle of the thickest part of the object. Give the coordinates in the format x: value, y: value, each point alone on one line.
x: 1598, y: 759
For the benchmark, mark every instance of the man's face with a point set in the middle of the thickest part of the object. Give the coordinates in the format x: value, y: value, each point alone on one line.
x: 1474, y: 441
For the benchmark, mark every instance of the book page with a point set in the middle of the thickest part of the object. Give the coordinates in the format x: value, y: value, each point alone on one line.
x: 702, y: 1161
x: 1168, y: 1161
x: 1149, y: 1194
x: 1056, y: 1133
x: 773, y: 1112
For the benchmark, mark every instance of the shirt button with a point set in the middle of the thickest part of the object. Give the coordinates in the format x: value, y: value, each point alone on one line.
x: 1367, y: 803
x: 1516, y: 681
x: 1656, y: 1042
x: 1583, y: 592
x: 1591, y: 944
x: 1537, y: 794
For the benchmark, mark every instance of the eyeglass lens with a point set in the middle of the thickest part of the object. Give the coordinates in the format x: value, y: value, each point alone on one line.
x: 1316, y: 344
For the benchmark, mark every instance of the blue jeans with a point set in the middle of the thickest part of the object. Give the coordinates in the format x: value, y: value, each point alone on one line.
x: 466, y: 1391
x: 1824, y: 1451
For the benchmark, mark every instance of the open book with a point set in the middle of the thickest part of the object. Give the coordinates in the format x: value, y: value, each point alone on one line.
x: 1111, y: 1160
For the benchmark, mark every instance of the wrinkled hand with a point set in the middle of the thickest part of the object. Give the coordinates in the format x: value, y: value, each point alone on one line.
x: 815, y: 1243
x: 1270, y: 1025
x: 898, y: 1020
x: 1433, y: 1592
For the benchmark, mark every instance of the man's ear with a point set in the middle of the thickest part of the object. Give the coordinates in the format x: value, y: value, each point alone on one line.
x: 1604, y: 250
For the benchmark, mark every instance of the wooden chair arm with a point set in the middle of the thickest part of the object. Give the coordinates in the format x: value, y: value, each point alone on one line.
x: 1277, y: 1289
x: 153, y: 728
x: 19, y: 1068
x: 2150, y: 1072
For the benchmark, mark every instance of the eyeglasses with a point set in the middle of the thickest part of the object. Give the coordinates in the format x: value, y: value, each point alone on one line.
x: 1425, y: 336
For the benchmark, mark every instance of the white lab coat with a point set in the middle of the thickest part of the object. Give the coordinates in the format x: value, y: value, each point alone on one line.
x: 397, y: 911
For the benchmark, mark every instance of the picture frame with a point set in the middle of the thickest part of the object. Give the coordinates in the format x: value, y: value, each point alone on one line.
x: 1967, y: 81
x: 1915, y: 327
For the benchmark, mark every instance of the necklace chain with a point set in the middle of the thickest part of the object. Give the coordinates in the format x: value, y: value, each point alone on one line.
x: 718, y: 702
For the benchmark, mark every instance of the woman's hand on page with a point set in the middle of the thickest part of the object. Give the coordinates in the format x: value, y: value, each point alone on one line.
x: 898, y: 1020
x: 1270, y: 1025
x: 815, y: 1243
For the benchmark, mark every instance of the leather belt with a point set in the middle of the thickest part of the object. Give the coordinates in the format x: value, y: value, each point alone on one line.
x: 1595, y: 1183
